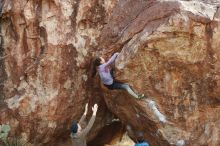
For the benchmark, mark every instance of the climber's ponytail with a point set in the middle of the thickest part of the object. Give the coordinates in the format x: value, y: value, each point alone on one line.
x: 96, y: 63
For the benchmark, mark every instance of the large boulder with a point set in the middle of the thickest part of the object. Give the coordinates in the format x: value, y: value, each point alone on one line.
x: 168, y: 51
x: 46, y: 52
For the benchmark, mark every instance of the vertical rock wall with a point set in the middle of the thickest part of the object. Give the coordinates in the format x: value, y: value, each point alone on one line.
x: 46, y: 53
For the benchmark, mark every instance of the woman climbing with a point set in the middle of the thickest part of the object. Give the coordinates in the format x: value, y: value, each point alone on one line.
x: 106, y: 76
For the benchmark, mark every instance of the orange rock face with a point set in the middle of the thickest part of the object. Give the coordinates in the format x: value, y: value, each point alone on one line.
x: 46, y: 50
x: 169, y: 50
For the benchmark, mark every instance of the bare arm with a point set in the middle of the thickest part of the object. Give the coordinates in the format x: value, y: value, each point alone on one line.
x: 112, y: 59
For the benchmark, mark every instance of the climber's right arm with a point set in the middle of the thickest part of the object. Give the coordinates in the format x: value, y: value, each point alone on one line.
x: 112, y: 59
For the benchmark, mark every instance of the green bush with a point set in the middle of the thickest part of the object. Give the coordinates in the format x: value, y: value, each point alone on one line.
x: 4, y: 130
x: 13, y: 142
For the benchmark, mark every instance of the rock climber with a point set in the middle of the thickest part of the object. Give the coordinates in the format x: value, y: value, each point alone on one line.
x: 78, y: 134
x: 140, y: 140
x: 106, y: 76
x: 139, y: 136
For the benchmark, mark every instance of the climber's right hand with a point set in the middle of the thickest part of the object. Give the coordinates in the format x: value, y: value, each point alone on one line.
x: 117, y: 53
x: 94, y: 109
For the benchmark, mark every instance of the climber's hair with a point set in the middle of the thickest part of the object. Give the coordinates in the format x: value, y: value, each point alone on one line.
x: 140, y: 137
x: 96, y: 63
x: 74, y: 127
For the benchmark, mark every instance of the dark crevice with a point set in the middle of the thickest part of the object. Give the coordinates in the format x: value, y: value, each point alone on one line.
x: 108, y: 133
x: 1, y: 6
x: 43, y: 40
x: 3, y: 76
x: 43, y: 36
x: 74, y: 14
x: 210, y: 61
x: 216, y: 12
x: 10, y: 30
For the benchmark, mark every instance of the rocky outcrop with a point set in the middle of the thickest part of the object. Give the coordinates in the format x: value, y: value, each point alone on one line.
x: 45, y: 64
x: 168, y: 51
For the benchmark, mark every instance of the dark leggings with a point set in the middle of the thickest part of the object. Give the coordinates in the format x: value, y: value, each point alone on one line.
x: 116, y: 85
x: 123, y: 86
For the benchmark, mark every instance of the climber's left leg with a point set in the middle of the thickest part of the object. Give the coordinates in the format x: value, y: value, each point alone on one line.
x: 123, y: 86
